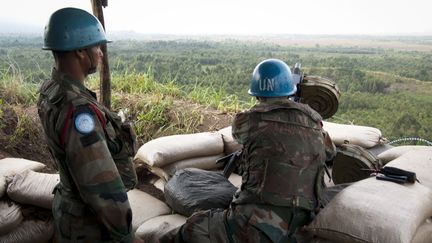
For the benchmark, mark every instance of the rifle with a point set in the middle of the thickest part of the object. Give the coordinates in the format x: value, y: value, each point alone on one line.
x: 230, y: 162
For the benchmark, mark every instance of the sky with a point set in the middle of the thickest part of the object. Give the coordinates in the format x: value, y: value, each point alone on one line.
x: 241, y: 17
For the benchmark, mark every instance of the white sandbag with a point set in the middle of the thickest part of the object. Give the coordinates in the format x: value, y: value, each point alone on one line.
x: 374, y: 211
x: 160, y: 184
x: 424, y: 233
x: 153, y: 229
x: 165, y: 150
x: 159, y: 172
x: 230, y: 144
x: 205, y: 163
x: 33, y: 188
x: 419, y: 161
x: 10, y: 216
x: 145, y: 207
x: 398, y: 151
x: 11, y: 166
x: 2, y: 185
x: 363, y: 136
x: 30, y: 231
x: 235, y: 179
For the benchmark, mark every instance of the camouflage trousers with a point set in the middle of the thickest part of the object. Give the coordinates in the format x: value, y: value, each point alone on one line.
x: 244, y: 223
x: 75, y: 223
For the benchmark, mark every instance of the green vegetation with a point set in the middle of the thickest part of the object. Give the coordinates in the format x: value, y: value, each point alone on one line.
x: 385, y: 88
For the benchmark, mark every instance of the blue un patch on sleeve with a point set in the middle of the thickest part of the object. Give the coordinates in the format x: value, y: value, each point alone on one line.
x: 84, y: 123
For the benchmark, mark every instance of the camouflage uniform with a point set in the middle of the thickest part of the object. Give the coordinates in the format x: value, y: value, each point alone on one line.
x: 282, y: 173
x: 95, y: 166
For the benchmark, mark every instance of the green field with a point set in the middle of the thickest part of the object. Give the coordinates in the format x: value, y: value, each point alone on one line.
x: 385, y: 82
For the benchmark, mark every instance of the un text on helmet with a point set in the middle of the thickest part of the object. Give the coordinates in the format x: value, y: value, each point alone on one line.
x: 267, y: 84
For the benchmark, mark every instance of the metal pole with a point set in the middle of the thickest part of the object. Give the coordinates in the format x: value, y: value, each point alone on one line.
x: 105, y: 78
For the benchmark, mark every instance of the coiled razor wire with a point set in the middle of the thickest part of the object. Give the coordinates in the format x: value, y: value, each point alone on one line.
x: 411, y: 139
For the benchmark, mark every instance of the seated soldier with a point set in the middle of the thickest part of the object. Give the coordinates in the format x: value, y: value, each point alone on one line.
x: 282, y: 168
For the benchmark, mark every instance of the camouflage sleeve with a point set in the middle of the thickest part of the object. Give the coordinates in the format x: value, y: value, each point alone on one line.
x: 95, y: 174
x: 240, y: 127
x: 123, y: 154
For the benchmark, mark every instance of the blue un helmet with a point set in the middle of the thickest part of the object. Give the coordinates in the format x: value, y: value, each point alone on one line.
x: 272, y: 78
x: 71, y: 29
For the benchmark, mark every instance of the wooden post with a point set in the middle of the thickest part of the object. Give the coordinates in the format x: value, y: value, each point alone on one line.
x: 105, y: 78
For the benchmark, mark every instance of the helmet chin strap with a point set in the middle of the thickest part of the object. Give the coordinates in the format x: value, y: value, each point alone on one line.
x: 93, y: 66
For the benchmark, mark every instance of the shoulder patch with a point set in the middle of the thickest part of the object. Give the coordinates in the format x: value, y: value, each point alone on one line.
x: 84, y: 123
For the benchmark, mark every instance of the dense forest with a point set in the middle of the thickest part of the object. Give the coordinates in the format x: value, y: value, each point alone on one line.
x: 387, y: 88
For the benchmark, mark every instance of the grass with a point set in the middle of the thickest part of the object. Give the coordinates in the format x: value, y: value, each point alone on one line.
x: 150, y: 104
x: 14, y: 89
x: 146, y: 102
x: 217, y: 97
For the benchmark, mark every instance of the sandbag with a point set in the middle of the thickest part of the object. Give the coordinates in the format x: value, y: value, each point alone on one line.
x: 10, y: 216
x: 11, y: 166
x: 165, y: 150
x: 321, y: 94
x: 145, y: 207
x: 328, y: 193
x: 160, y: 184
x: 353, y: 163
x: 30, y: 231
x: 230, y: 144
x: 2, y: 185
x: 374, y: 211
x: 205, y: 163
x: 153, y: 229
x: 33, y: 188
x: 191, y: 190
x: 424, y: 233
x: 419, y: 161
x: 363, y: 136
x: 398, y: 151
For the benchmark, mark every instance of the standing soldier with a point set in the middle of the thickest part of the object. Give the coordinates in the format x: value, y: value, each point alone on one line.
x: 92, y: 148
x: 282, y: 166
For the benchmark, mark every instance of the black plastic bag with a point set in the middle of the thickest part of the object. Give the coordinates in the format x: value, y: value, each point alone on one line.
x: 191, y: 190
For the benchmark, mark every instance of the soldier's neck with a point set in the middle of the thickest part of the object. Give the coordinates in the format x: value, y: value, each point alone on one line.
x: 72, y: 68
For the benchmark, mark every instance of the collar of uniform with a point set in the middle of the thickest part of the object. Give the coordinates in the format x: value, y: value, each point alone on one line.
x: 276, y: 100
x: 73, y: 83
x: 63, y: 77
x: 270, y: 104
x: 273, y: 101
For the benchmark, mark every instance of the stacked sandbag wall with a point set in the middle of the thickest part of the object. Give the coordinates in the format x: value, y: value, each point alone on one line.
x: 373, y: 210
x: 165, y: 155
x: 25, y: 201
x: 26, y: 205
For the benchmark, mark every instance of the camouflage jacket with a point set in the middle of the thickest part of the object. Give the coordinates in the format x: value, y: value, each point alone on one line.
x: 93, y: 151
x: 284, y: 153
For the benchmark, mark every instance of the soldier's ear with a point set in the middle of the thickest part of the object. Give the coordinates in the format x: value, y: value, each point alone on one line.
x: 80, y: 54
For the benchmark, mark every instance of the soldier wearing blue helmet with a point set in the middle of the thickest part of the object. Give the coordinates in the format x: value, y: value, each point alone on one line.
x: 272, y: 78
x: 92, y: 147
x: 282, y: 166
